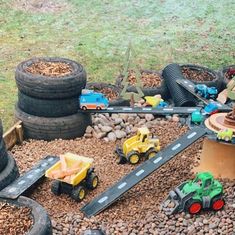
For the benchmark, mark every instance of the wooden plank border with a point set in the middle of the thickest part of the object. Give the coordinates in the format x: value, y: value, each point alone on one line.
x: 14, y: 135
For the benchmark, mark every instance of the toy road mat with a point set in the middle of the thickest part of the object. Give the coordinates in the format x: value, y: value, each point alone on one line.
x: 24, y: 182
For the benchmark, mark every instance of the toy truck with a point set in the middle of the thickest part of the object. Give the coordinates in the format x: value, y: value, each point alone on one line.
x: 72, y: 175
x: 204, y: 192
x: 92, y: 100
x: 226, y: 134
x: 196, y: 117
x: 139, y: 145
x: 205, y: 91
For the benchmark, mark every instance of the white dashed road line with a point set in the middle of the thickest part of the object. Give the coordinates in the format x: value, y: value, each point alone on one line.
x: 103, y: 199
x: 122, y: 185
x: 191, y: 135
x: 176, y: 146
x: 157, y: 160
x: 140, y: 172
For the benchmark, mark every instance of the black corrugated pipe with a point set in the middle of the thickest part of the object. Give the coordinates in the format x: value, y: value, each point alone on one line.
x: 180, y: 96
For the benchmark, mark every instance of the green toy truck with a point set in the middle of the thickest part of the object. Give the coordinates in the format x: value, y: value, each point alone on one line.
x: 204, y: 192
x: 196, y: 117
x: 226, y: 134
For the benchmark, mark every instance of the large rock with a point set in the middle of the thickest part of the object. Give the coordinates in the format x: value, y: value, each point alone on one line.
x: 89, y: 129
x: 149, y: 117
x: 106, y: 129
x: 117, y: 121
x: 111, y: 136
x: 120, y: 134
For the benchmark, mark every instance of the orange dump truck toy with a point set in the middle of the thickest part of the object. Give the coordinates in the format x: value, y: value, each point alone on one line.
x: 72, y: 175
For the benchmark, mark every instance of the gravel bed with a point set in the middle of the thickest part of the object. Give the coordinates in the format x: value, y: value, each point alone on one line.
x: 14, y: 220
x: 137, y: 212
x: 196, y: 75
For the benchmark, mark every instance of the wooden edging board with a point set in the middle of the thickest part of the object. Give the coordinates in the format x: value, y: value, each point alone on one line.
x: 14, y: 135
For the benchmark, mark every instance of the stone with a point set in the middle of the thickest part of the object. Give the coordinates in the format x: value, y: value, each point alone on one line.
x: 117, y: 121
x: 175, y: 119
x: 149, y: 117
x: 120, y: 134
x: 118, y: 127
x: 99, y: 135
x: 124, y: 116
x: 111, y: 136
x: 88, y: 135
x: 106, y: 128
x: 89, y: 129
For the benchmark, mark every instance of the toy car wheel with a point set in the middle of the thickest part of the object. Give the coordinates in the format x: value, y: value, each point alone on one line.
x: 133, y: 157
x: 56, y: 187
x: 92, y: 181
x: 217, y: 203
x: 78, y: 193
x: 227, y: 138
x: 150, y: 153
x: 98, y: 108
x: 84, y: 108
x: 194, y: 206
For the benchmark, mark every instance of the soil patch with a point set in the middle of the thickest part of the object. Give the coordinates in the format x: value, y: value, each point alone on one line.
x: 14, y: 220
x: 41, y: 6
x: 50, y: 69
x: 149, y: 79
x: 196, y: 75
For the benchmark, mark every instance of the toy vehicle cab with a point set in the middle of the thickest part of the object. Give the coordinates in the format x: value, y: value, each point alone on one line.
x: 196, y: 117
x: 226, y: 134
x: 75, y: 179
x: 92, y: 100
x: 211, y: 108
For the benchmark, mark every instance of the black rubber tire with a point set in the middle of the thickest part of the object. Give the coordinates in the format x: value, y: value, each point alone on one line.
x: 98, y: 86
x: 151, y: 150
x: 9, y: 173
x: 148, y: 91
x: 222, y: 76
x: 3, y: 155
x: 181, y: 97
x: 68, y: 127
x: 56, y: 187
x: 75, y: 193
x: 89, y: 181
x: 46, y: 87
x: 48, y: 108
x: 42, y: 223
x: 216, y: 82
x: 129, y: 157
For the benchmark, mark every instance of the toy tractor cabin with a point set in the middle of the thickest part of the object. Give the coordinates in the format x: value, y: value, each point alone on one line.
x: 139, y: 145
x: 204, y: 192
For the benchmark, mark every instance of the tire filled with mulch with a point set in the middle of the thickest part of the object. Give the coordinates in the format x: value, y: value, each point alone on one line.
x: 226, y: 74
x: 111, y: 92
x: 48, y: 98
x: 24, y: 216
x: 152, y: 83
x: 50, y: 78
x: 201, y: 75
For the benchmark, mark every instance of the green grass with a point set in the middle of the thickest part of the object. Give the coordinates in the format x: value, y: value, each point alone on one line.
x: 96, y: 33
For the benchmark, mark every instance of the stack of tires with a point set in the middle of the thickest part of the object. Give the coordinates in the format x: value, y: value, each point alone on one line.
x: 48, y: 105
x: 8, y: 168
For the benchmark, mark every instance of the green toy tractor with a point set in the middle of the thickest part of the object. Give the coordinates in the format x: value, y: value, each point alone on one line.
x: 204, y: 192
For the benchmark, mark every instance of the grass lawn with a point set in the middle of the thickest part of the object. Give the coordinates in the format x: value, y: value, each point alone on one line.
x: 96, y: 33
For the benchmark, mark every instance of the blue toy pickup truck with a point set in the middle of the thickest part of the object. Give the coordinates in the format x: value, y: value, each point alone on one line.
x: 205, y: 91
x: 93, y: 100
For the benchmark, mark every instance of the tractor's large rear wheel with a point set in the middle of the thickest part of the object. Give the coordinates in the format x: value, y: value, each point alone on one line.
x: 133, y: 157
x: 150, y: 153
x: 194, y: 206
x: 217, y: 203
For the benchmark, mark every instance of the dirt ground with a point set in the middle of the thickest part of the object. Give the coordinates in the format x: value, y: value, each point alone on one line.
x: 137, y: 212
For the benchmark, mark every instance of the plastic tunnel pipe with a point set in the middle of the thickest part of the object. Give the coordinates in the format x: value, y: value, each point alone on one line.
x: 180, y: 96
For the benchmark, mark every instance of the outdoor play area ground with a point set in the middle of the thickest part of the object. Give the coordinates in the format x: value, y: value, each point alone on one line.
x: 97, y: 33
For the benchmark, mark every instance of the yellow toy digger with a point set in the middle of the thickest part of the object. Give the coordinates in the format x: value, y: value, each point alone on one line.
x: 136, y: 146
